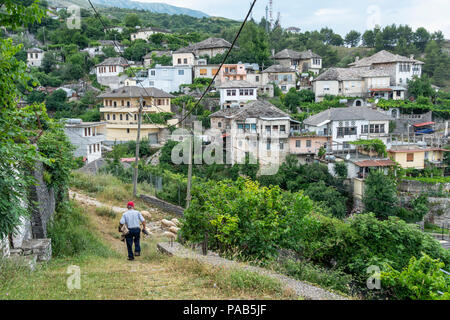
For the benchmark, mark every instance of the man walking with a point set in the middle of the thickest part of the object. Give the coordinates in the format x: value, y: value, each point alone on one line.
x: 132, y: 219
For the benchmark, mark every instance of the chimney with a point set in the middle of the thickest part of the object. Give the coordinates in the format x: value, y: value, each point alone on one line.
x: 356, y: 58
x: 411, y: 57
x: 273, y: 52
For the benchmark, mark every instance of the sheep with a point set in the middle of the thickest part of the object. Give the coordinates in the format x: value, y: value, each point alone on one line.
x: 171, y: 237
x: 167, y: 223
x: 174, y: 229
x: 175, y: 220
x: 146, y: 214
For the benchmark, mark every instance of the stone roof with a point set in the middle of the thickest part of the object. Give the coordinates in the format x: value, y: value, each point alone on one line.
x: 209, y: 43
x: 346, y: 114
x: 119, y: 61
x: 136, y: 92
x: 278, y: 68
x: 347, y: 74
x: 254, y: 109
x: 236, y: 84
x: 35, y: 50
x: 383, y: 57
x: 292, y: 54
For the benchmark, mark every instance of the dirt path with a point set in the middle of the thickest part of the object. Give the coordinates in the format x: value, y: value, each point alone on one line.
x: 155, y: 275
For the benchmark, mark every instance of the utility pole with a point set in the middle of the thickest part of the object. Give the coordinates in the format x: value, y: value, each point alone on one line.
x: 189, y: 183
x: 138, y: 140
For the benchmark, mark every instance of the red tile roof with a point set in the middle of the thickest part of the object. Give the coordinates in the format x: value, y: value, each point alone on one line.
x: 375, y: 163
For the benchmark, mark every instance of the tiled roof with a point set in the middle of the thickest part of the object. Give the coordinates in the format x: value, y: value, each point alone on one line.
x: 136, y: 92
x: 382, y: 57
x: 375, y: 163
x: 206, y: 44
x: 114, y: 62
x: 236, y: 84
x: 35, y: 50
x: 278, y: 68
x: 154, y: 30
x: 346, y: 74
x: 292, y: 54
x: 346, y: 114
x: 254, y: 109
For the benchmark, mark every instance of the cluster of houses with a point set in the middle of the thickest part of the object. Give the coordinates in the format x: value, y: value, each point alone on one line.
x: 248, y: 122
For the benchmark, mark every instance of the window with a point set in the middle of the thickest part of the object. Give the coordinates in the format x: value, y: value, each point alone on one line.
x: 268, y: 144
x: 121, y: 117
x: 115, y: 104
x: 240, y: 126
x: 308, y: 143
x: 114, y: 117
x: 268, y: 129
x: 179, y: 61
x: 253, y: 127
x: 410, y: 157
x: 181, y: 72
x: 247, y: 127
x: 203, y: 72
x: 365, y: 129
x: 281, y: 145
x: 219, y: 124
x: 128, y: 130
x: 283, y: 128
x: 298, y: 143
x: 233, y: 92
x: 153, y: 72
x: 275, y: 128
x: 128, y: 104
x: 214, y: 71
x: 127, y: 116
x: 257, y: 79
x: 108, y: 116
x: 185, y: 60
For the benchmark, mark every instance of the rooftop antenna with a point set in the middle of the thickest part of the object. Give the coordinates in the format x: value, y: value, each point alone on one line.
x: 271, y: 12
x: 267, y: 19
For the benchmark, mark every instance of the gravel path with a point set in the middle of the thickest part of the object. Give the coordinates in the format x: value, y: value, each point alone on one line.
x: 302, y: 289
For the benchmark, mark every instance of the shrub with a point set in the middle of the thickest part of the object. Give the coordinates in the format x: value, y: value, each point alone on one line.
x: 421, y: 279
x: 71, y: 235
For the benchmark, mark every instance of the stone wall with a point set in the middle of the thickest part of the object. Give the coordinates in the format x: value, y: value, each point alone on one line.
x: 439, y: 212
x: 41, y: 201
x: 411, y: 186
x: 4, y: 248
x: 163, y: 205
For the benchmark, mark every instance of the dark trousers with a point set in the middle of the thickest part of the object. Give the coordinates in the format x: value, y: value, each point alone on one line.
x: 133, y: 236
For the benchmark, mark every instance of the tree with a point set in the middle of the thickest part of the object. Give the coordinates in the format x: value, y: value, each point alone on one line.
x: 421, y: 38
x: 353, y: 38
x: 57, y: 100
x: 420, y: 87
x: 330, y: 198
x: 132, y: 20
x: 368, y: 39
x: 380, y: 195
x: 340, y: 168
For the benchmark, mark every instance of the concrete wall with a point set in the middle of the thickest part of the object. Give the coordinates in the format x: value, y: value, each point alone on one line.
x: 411, y: 186
x: 163, y: 205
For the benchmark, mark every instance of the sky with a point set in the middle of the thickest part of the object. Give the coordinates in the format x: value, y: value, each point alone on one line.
x: 342, y: 16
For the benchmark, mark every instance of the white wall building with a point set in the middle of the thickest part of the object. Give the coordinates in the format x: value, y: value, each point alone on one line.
x: 87, y: 137
x: 346, y: 125
x: 400, y: 69
x: 35, y: 57
x: 145, y: 33
x: 168, y: 78
x: 237, y: 92
x: 111, y: 72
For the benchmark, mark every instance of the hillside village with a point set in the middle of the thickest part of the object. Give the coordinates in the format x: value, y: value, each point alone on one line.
x: 358, y: 135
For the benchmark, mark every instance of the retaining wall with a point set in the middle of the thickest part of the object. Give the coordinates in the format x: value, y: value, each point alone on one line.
x: 163, y: 205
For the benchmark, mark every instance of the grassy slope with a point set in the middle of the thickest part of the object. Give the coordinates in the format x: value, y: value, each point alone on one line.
x: 151, y: 276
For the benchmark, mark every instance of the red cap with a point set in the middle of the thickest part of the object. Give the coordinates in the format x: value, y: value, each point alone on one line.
x: 131, y: 203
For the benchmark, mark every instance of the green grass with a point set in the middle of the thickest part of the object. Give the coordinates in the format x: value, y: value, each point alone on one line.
x: 432, y: 228
x: 429, y: 180
x: 105, y: 212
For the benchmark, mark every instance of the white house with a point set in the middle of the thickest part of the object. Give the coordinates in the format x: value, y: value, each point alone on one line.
x: 111, y: 72
x: 346, y: 125
x: 145, y: 33
x: 87, y: 137
x: 168, y: 78
x: 237, y: 92
x: 98, y: 49
x: 400, y: 69
x: 35, y: 57
x: 356, y: 82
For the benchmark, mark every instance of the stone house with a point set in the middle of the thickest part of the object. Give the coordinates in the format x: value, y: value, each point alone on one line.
x: 356, y: 82
x: 283, y: 76
x: 400, y: 69
x: 209, y: 47
x: 258, y: 129
x: 302, y: 61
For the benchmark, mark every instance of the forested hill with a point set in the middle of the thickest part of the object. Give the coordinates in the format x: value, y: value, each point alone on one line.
x: 155, y: 7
